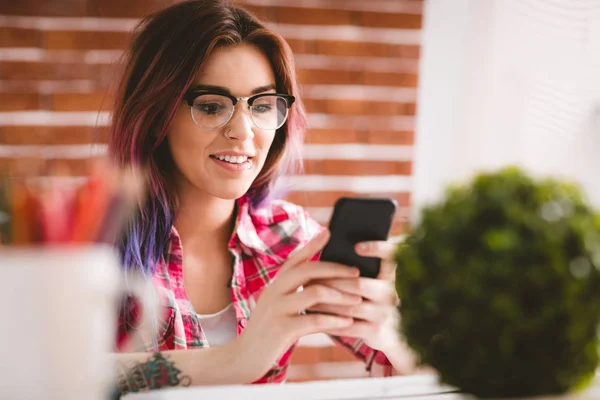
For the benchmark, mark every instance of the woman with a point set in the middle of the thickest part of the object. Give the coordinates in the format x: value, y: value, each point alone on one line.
x: 209, y: 105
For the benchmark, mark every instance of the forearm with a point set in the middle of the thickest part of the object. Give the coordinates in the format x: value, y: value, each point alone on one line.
x: 138, y: 372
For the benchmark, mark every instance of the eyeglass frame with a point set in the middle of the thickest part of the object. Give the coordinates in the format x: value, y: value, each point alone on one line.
x: 189, y: 98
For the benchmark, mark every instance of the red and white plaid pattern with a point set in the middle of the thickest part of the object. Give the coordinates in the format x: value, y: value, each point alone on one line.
x: 261, y: 242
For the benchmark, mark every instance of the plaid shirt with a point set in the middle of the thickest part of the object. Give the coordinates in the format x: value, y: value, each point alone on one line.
x: 261, y: 242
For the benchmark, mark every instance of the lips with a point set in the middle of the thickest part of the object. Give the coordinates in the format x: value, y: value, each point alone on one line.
x: 233, y: 159
x: 233, y: 162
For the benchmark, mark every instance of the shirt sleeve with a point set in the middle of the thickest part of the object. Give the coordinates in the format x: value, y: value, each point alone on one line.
x: 311, y: 227
x: 376, y: 362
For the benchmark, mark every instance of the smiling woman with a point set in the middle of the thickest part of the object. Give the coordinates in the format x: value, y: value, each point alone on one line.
x: 222, y: 148
x: 209, y: 105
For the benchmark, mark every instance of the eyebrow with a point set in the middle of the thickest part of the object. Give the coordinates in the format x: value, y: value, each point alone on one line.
x: 221, y: 89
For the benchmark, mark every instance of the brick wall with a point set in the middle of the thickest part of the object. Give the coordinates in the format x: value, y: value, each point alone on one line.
x: 357, y: 60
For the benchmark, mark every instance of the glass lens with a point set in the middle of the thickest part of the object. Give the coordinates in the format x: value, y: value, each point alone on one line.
x: 269, y: 112
x: 211, y: 110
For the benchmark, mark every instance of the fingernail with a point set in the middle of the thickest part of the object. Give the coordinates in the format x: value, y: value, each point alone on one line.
x: 362, y: 246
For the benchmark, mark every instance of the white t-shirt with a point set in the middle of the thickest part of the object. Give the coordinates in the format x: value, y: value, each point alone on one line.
x: 220, y: 327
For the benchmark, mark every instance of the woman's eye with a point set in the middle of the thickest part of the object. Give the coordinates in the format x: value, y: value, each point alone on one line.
x: 209, y: 108
x: 262, y: 108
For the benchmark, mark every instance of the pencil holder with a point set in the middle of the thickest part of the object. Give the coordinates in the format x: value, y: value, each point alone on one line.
x: 58, y: 307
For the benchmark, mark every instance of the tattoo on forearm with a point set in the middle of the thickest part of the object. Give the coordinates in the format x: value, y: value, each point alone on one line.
x: 155, y: 373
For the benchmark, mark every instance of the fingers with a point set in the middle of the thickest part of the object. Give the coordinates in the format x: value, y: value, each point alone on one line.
x: 364, y: 311
x: 378, y: 291
x: 371, y: 329
x: 383, y: 250
x: 405, y: 358
x: 315, y: 323
x: 315, y: 294
x: 358, y: 329
x: 308, y: 251
x: 379, y: 249
x: 387, y: 272
x: 302, y: 274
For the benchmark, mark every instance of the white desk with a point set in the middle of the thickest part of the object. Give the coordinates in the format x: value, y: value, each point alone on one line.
x: 409, y: 387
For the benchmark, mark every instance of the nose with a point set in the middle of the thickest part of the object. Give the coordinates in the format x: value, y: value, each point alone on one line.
x: 240, y: 125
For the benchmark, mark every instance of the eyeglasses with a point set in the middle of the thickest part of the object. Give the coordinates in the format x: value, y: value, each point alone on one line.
x: 213, y: 110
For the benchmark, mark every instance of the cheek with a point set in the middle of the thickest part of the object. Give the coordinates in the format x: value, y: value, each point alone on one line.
x: 263, y: 141
x: 185, y: 138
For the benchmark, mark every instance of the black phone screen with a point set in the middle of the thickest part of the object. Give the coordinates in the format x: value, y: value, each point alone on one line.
x: 357, y: 220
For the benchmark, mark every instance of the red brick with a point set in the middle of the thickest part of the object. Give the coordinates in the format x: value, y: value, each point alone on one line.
x: 404, y: 51
x: 357, y: 167
x: 359, y: 107
x: 302, y: 46
x: 281, y: 13
x: 101, y: 74
x: 50, y: 135
x: 339, y: 354
x: 328, y: 76
x: 345, y: 77
x: 357, y: 49
x: 45, y: 8
x: 399, y: 227
x: 27, y: 86
x: 100, y: 134
x: 345, y: 48
x: 22, y: 70
x: 390, y: 79
x: 390, y: 137
x: 107, y: 75
x: 330, y: 136
x: 315, y: 372
x: 328, y: 199
x: 306, y: 355
x: 390, y: 20
x: 311, y: 16
x: 264, y: 13
x: 126, y: 9
x: 80, y: 102
x: 19, y: 101
x: 84, y: 40
x: 19, y: 37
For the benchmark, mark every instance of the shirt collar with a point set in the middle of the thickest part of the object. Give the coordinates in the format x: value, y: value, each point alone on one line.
x: 248, y: 227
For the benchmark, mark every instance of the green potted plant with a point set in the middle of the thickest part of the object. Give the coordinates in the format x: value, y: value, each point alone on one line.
x: 500, y: 286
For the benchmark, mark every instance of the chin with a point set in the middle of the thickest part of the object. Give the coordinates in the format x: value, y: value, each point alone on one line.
x: 230, y: 192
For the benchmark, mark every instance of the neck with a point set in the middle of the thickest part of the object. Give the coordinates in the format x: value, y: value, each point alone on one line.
x: 204, y: 221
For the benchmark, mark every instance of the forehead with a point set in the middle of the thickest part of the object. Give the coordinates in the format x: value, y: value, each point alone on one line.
x: 239, y: 68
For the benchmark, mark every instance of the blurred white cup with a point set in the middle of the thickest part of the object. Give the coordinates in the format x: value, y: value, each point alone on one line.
x: 58, y: 312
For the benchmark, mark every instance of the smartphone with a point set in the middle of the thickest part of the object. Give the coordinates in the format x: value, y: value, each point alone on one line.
x: 354, y: 220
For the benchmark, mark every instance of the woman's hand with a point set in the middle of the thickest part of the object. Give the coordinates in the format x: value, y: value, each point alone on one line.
x: 376, y: 317
x: 278, y: 320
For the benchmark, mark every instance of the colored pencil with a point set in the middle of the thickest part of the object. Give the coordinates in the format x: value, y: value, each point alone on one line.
x: 54, y: 214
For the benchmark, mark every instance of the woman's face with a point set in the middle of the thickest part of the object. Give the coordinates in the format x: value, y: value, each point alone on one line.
x: 223, y: 162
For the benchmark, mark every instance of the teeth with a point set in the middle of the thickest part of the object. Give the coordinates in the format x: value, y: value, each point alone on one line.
x: 233, y: 159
